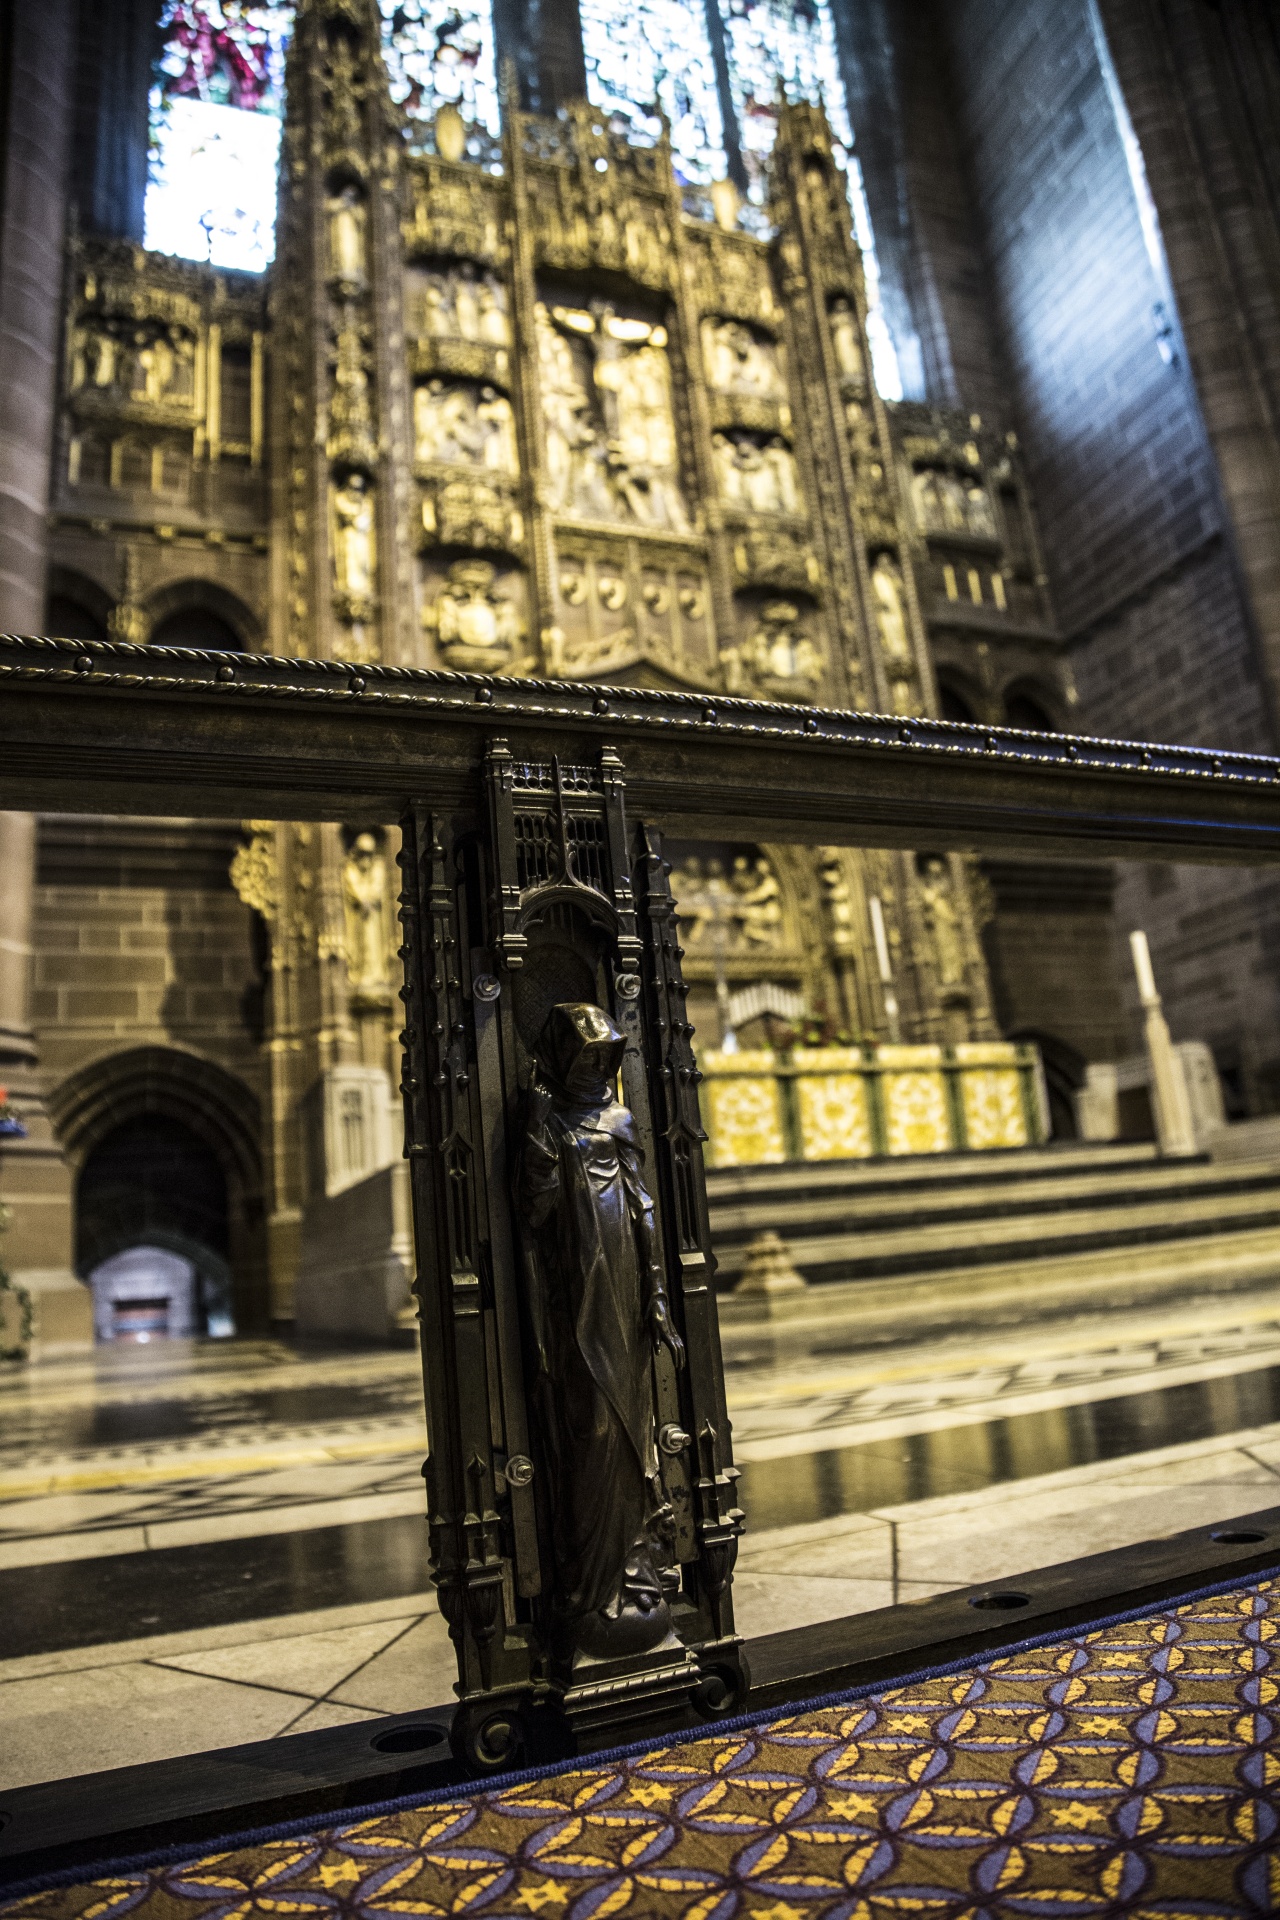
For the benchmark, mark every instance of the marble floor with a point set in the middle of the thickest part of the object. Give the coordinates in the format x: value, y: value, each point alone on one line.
x: 202, y: 1545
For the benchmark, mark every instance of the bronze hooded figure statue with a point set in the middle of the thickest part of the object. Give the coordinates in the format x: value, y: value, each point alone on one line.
x: 597, y: 1311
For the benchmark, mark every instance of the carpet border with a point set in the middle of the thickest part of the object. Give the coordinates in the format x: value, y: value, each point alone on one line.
x: 499, y: 1783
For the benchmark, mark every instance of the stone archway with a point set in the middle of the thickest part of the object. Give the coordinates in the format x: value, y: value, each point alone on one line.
x: 124, y: 1102
x: 201, y: 613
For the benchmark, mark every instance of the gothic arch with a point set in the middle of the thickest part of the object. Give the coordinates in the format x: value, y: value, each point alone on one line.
x: 1026, y: 700
x: 76, y: 592
x: 198, y: 597
x: 959, y: 698
x: 209, y: 1103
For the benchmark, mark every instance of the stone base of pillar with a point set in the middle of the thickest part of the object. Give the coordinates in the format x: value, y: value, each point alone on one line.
x: 356, y: 1266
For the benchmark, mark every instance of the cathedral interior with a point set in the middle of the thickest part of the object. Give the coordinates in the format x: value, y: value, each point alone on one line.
x: 910, y: 360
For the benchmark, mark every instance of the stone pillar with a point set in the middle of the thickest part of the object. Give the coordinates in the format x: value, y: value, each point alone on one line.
x: 36, y: 121
x: 1170, y: 1101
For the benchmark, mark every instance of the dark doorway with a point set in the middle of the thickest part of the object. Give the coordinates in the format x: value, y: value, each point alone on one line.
x: 151, y: 1202
x: 1022, y: 710
x: 66, y: 619
x: 953, y: 705
x: 196, y: 627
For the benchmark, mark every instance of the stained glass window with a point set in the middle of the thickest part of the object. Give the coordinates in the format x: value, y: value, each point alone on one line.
x: 651, y: 55
x: 767, y: 41
x: 440, y: 53
x: 215, y: 132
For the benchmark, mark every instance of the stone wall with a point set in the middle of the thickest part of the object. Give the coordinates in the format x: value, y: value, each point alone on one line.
x: 145, y: 956
x: 1141, y: 551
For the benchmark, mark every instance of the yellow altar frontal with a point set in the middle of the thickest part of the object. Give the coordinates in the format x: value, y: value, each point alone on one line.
x: 855, y: 1103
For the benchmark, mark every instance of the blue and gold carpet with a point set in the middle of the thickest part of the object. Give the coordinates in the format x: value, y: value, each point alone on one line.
x: 1131, y: 1769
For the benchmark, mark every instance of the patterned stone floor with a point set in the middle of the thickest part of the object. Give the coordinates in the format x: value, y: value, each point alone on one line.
x: 227, y: 1538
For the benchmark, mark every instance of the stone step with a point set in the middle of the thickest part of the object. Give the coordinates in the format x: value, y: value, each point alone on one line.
x: 862, y: 1314
x: 860, y: 1221
x: 873, y: 1209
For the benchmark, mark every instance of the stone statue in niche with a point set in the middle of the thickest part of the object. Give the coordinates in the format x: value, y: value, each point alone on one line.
x: 605, y: 386
x: 565, y: 409
x: 366, y: 911
x: 891, y: 612
x: 740, y: 911
x: 846, y: 342
x: 737, y: 362
x: 462, y: 304
x: 777, y: 657
x: 95, y: 358
x: 477, y: 630
x: 461, y: 425
x: 155, y: 366
x: 757, y: 901
x: 353, y: 538
x: 163, y: 367
x: 940, y: 503
x: 347, y: 223
x: 943, y: 920
x: 981, y: 520
x: 597, y: 1313
x: 761, y: 478
x: 837, y: 896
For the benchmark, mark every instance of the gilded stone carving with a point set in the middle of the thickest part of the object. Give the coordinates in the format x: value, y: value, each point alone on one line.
x: 740, y: 910
x: 942, y: 917
x: 756, y: 478
x: 255, y: 872
x: 978, y: 510
x: 846, y: 342
x: 455, y: 210
x: 732, y: 278
x: 346, y: 87
x: 476, y: 627
x: 738, y: 360
x: 605, y: 387
x: 471, y: 513
x: 891, y: 624
x: 777, y: 557
x: 351, y: 438
x: 947, y: 502
x: 462, y: 425
x: 938, y: 499
x: 137, y: 372
x: 348, y: 239
x: 353, y: 539
x: 994, y: 1112
x: 597, y: 202
x: 778, y: 659
x: 459, y: 304
x: 837, y: 900
x: 366, y: 908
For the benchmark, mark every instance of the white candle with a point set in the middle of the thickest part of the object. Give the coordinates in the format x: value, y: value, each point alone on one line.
x: 878, y: 935
x: 1142, y: 967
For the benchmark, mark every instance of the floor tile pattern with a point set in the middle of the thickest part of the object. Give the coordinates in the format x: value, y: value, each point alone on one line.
x: 1128, y: 1769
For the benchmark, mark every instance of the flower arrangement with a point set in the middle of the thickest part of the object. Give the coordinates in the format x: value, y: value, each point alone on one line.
x: 817, y: 1031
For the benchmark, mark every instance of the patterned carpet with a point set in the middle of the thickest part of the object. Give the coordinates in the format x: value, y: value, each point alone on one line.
x: 1131, y: 1769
